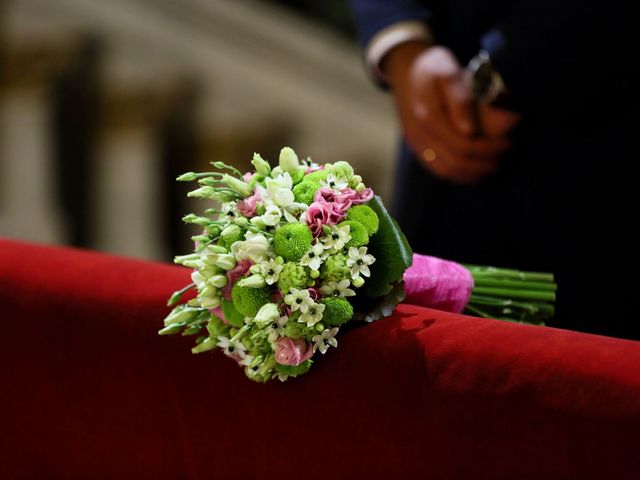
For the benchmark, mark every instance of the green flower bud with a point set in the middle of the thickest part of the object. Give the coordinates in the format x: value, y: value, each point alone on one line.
x: 358, y: 233
x: 337, y: 311
x: 208, y: 344
x: 342, y: 170
x: 292, y: 276
x: 314, y: 274
x: 262, y: 166
x: 190, y: 261
x: 171, y: 329
x: 212, y: 230
x: 288, y: 159
x: 232, y: 315
x: 202, y: 192
x: 357, y: 282
x: 187, y: 177
x: 292, y: 241
x: 237, y: 185
x: 248, y: 300
x: 366, y: 216
x: 360, y: 187
x: 335, y: 268
x: 305, y: 191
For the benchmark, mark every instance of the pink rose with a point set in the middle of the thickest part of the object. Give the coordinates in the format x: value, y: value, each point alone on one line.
x: 290, y: 351
x: 240, y: 270
x: 320, y: 214
x: 247, y: 207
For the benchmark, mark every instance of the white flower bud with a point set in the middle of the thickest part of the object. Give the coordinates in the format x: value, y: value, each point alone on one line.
x: 224, y: 261
x: 218, y: 281
x: 267, y: 314
x: 288, y: 159
x: 254, y: 281
x: 237, y: 186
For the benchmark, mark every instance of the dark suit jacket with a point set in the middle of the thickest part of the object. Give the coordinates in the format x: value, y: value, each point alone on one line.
x: 561, y: 201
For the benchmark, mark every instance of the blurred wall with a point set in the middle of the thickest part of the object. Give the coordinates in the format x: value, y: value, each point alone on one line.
x: 103, y: 103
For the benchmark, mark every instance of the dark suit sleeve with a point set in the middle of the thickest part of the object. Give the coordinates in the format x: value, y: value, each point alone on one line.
x: 372, y: 16
x: 560, y: 50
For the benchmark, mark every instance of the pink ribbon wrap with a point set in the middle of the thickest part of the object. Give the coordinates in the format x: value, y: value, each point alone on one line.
x: 438, y: 284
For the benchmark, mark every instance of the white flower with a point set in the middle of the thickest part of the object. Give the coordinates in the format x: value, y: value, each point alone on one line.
x: 334, y: 183
x: 337, y: 238
x: 276, y: 329
x: 231, y: 348
x: 337, y: 289
x: 295, y: 212
x: 314, y: 257
x: 279, y: 189
x: 237, y: 185
x: 323, y: 340
x: 272, y: 215
x: 255, y: 248
x: 298, y: 300
x: 267, y: 314
x: 270, y: 270
x: 247, y: 360
x: 228, y: 210
x: 359, y: 262
x: 313, y: 314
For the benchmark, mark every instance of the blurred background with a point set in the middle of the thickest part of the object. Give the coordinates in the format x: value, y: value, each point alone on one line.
x: 103, y: 103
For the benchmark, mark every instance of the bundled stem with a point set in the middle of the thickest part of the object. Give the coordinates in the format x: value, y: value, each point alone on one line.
x: 507, y: 294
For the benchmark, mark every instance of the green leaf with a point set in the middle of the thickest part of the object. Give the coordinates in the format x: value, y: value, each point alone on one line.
x: 392, y: 253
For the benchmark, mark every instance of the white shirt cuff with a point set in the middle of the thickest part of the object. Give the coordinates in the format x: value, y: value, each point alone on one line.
x: 390, y: 37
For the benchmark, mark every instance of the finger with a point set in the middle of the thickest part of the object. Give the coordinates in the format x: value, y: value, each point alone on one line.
x: 438, y: 157
x: 497, y: 122
x: 459, y: 105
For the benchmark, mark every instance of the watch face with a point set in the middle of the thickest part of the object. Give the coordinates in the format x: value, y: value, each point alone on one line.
x: 482, y: 80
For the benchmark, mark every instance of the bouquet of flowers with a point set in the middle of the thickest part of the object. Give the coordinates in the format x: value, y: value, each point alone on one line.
x: 292, y: 254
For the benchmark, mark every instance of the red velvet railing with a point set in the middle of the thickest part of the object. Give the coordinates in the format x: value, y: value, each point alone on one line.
x: 90, y: 391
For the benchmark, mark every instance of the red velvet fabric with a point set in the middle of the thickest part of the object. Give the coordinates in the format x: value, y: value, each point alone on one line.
x: 90, y: 391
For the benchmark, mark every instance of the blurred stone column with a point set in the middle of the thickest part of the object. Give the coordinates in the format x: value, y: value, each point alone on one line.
x: 29, y: 207
x: 128, y: 193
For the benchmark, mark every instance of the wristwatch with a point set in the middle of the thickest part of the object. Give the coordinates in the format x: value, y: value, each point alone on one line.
x: 486, y: 83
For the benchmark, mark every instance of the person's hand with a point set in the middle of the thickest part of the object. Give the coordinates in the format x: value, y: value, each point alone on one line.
x: 439, y: 116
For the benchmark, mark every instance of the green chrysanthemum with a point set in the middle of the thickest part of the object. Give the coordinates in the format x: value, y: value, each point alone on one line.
x: 304, y: 191
x: 292, y: 276
x: 248, y: 301
x: 294, y: 370
x: 228, y: 240
x: 317, y: 176
x: 358, y: 233
x: 292, y: 241
x: 295, y: 329
x: 337, y: 311
x: 366, y: 216
x: 335, y: 268
x: 233, y: 316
